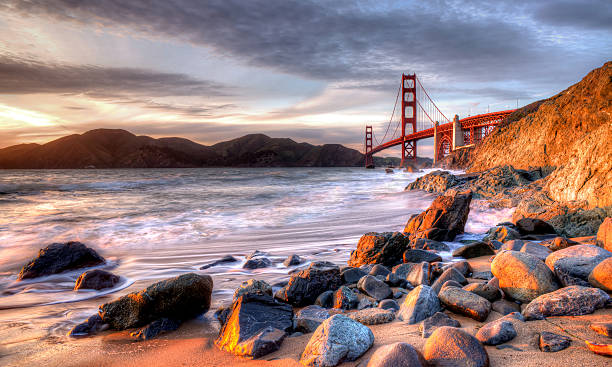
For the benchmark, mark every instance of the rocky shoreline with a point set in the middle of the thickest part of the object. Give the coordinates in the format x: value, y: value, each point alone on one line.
x: 521, y: 272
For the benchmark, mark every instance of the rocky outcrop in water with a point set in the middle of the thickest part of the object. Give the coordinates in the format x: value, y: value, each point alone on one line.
x: 60, y: 257
x: 306, y: 285
x: 379, y: 248
x: 96, y: 279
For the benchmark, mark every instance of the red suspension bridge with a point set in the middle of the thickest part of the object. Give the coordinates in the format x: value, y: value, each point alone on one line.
x: 420, y: 118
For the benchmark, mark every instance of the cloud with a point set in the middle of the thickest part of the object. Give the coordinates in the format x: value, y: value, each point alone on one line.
x: 585, y: 14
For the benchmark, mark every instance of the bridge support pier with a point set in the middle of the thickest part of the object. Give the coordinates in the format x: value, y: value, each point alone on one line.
x: 436, y: 143
x: 457, y: 134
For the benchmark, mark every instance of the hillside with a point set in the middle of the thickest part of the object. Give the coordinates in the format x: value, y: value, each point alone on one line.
x: 569, y: 134
x: 115, y: 148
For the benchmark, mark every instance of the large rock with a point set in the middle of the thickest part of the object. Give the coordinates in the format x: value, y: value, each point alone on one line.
x: 496, y: 332
x: 474, y: 249
x: 465, y: 303
x: 352, y: 275
x: 502, y: 233
x: 306, y: 285
x: 379, y: 248
x: 428, y: 244
x: 250, y: 327
x: 601, y: 276
x: 257, y: 262
x: 448, y: 213
x: 568, y: 301
x: 436, y: 181
x: 180, y: 298
x: 60, y: 257
x: 522, y: 276
x: 558, y: 243
x: 90, y: 326
x: 345, y: 298
x: 439, y: 319
x: 604, y: 234
x: 156, y: 328
x: 253, y: 286
x: 505, y: 307
x: 541, y: 252
x: 415, y: 273
x: 336, y: 340
x: 421, y: 303
x: 527, y: 226
x: 417, y: 256
x: 396, y: 355
x: 486, y: 291
x: 309, y: 318
x: 372, y: 316
x: 96, y: 279
x: 578, y: 261
x: 448, y: 274
x: 449, y: 346
x: 374, y: 288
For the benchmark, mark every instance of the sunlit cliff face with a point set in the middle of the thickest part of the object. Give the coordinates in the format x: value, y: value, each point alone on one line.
x: 313, y: 71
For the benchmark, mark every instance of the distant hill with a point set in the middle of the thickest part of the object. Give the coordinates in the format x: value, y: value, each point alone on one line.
x: 116, y: 148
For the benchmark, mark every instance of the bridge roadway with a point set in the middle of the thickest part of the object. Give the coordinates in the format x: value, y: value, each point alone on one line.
x: 467, y: 123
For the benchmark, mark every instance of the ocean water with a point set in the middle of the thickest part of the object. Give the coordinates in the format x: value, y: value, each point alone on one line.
x: 152, y: 224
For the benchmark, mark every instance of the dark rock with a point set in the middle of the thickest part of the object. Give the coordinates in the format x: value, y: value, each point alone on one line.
x: 224, y: 260
x: 374, y: 288
x: 421, y: 303
x: 379, y: 270
x: 496, y: 332
x: 436, y: 181
x: 450, y: 283
x: 433, y: 234
x: 379, y: 248
x: 91, y: 326
x: 252, y: 314
x: 465, y: 303
x: 389, y: 304
x: 345, y: 298
x: 601, y: 276
x: 484, y: 275
x: 449, y: 274
x: 372, y: 316
x: 222, y: 313
x: 567, y: 278
x: 306, y: 285
x: 522, y: 276
x: 513, y: 316
x: 310, y: 317
x: 603, y: 328
x: 474, y: 249
x: 292, y: 260
x: 439, y: 319
x: 255, y: 254
x: 505, y: 307
x: 485, y: 291
x: 96, y: 279
x: 396, y: 355
x: 415, y: 274
x: 257, y: 263
x: 449, y: 346
x: 437, y: 268
x: 534, y: 226
x: 155, y: 328
x: 428, y: 245
x: 577, y: 261
x: 253, y: 286
x: 463, y: 267
x: 551, y: 342
x: 352, y: 275
x: 366, y: 302
x: 336, y: 340
x: 568, y: 301
x: 502, y: 234
x: 448, y: 213
x: 604, y: 234
x: 558, y: 243
x: 539, y: 251
x: 513, y: 245
x: 393, y: 280
x: 496, y: 245
x: 180, y: 298
x: 417, y: 256
x: 60, y: 257
x: 325, y: 299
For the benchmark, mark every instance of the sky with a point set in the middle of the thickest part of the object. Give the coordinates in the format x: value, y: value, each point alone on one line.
x: 314, y: 71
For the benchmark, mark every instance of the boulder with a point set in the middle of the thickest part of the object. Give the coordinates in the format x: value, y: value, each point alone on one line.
x: 601, y: 276
x: 379, y: 248
x: 428, y: 245
x: 436, y: 181
x: 604, y: 234
x: 224, y: 260
x: 336, y: 340
x: 252, y: 323
x: 396, y: 355
x: 465, y: 303
x: 309, y: 318
x: 394, y: 281
x: 522, y: 276
x: 551, y: 342
x: 96, y: 279
x: 496, y: 332
x: 534, y: 226
x: 502, y: 234
x: 577, y: 261
x: 156, y: 328
x: 568, y: 301
x: 222, y: 313
x: 448, y: 274
x: 541, y: 252
x: 180, y: 298
x: 60, y: 257
x: 389, y: 304
x: 483, y: 275
x: 415, y: 274
x: 603, y: 328
x: 448, y: 212
x: 505, y: 307
x: 253, y: 286
x: 450, y: 283
x: 439, y: 319
x: 306, y: 285
x: 292, y: 260
x: 366, y: 302
x: 257, y: 263
x: 485, y: 291
x: 449, y: 346
x: 463, y: 267
x: 421, y: 303
x: 379, y: 270
x: 372, y: 316
x: 345, y: 298
x: 352, y: 275
x: 325, y: 299
x: 374, y: 288
x: 558, y: 243
x: 513, y: 245
x: 474, y: 249
x: 417, y: 256
x: 567, y: 278
x: 90, y: 326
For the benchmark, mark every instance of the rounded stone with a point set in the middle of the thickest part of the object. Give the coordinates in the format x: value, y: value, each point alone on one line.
x: 496, y: 332
x: 96, y: 279
x: 601, y: 276
x: 396, y: 355
x: 419, y: 304
x: 449, y: 346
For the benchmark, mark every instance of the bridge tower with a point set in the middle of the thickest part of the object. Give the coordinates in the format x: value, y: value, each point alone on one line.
x: 409, y: 118
x: 369, y: 159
